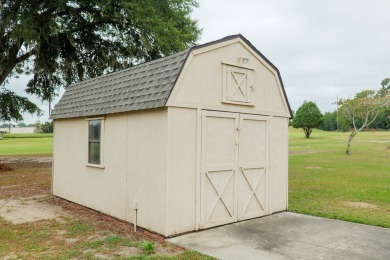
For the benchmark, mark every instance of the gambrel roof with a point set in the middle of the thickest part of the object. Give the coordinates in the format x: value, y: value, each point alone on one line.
x: 144, y: 86
x: 140, y: 87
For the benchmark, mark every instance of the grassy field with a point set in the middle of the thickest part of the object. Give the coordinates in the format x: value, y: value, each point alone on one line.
x: 324, y: 181
x: 26, y: 144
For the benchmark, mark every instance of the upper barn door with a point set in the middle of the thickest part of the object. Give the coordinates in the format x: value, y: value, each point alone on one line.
x: 233, y: 167
x: 218, y: 168
x: 253, y: 167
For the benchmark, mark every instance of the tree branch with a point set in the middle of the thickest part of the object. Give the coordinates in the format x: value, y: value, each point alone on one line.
x: 26, y: 55
x: 10, y: 61
x: 377, y: 113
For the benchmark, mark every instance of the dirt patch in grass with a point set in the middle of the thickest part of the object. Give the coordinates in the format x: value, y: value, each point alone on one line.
x: 27, y: 159
x: 372, y: 141
x: 36, y: 225
x: 361, y: 205
x: 116, y: 226
x: 30, y: 176
x: 18, y: 211
x: 313, y: 167
x: 4, y: 167
x: 302, y: 152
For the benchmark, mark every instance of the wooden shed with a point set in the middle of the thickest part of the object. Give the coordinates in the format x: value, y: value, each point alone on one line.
x: 190, y: 141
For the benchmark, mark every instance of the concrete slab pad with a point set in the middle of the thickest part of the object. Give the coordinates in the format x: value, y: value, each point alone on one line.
x: 289, y: 235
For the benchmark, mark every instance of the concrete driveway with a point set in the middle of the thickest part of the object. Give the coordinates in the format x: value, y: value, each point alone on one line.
x: 289, y: 235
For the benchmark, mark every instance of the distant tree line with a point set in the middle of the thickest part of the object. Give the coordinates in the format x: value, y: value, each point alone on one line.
x: 20, y: 124
x: 46, y: 127
x: 332, y: 122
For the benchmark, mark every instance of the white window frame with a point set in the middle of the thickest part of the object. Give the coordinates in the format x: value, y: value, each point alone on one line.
x: 102, y: 133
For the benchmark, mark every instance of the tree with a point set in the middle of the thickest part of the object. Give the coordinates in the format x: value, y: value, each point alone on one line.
x: 307, y: 117
x: 62, y: 42
x: 38, y: 127
x: 331, y: 120
x: 385, y: 92
x: 385, y: 84
x: 12, y: 106
x: 47, y: 127
x: 382, y: 121
x: 361, y: 111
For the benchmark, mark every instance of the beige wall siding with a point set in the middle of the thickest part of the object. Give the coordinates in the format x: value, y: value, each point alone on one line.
x: 114, y: 150
x: 201, y: 83
x: 182, y: 170
x: 279, y: 163
x: 147, y: 168
x: 135, y: 166
x: 70, y: 157
x: 100, y: 189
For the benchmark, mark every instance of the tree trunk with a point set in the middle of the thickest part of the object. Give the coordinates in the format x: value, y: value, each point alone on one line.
x: 49, y: 106
x: 351, y: 136
x: 307, y: 131
x: 4, y: 73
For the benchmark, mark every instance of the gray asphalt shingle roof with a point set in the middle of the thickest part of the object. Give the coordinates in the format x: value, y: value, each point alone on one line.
x: 144, y: 86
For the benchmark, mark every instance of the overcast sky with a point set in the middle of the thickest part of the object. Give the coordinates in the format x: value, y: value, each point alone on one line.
x: 321, y: 48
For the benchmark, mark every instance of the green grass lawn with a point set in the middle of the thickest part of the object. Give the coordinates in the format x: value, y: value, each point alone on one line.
x: 324, y: 181
x: 26, y: 144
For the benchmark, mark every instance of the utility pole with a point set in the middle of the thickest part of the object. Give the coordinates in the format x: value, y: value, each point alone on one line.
x: 337, y: 113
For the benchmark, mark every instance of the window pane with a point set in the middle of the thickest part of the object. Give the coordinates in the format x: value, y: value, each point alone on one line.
x: 94, y: 130
x: 94, y: 153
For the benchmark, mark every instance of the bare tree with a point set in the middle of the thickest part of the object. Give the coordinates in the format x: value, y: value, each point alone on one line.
x: 362, y: 110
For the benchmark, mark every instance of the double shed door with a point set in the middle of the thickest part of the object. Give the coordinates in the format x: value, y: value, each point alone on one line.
x: 234, y: 167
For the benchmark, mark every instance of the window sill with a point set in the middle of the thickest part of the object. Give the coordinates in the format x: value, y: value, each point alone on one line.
x: 101, y: 166
x: 238, y: 103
